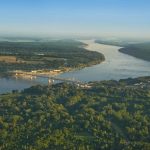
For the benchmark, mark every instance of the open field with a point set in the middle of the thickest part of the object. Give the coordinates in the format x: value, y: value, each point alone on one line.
x: 28, y: 56
x: 8, y: 59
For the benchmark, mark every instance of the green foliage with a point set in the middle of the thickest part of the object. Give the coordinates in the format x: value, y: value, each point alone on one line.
x: 138, y: 50
x: 111, y: 115
x: 113, y: 42
x: 47, y: 55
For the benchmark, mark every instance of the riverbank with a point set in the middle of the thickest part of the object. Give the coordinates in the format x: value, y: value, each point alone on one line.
x: 46, y: 72
x: 141, y: 51
x: 34, y: 73
x: 29, y: 56
x: 49, y: 72
x: 116, y: 66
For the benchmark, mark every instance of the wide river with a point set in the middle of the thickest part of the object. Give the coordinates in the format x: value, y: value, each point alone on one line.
x: 116, y: 66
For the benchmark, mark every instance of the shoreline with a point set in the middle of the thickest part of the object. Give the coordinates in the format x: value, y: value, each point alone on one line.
x: 54, y: 72
x: 45, y: 72
x: 124, y: 50
x: 50, y: 72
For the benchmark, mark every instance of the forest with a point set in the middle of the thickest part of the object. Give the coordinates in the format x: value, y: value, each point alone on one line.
x: 111, y: 115
x: 141, y: 50
x: 54, y: 54
x: 112, y: 42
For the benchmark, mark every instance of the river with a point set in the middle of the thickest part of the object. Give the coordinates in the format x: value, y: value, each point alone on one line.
x: 116, y: 66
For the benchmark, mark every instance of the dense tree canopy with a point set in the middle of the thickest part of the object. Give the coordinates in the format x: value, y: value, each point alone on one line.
x: 110, y: 115
x: 46, y: 55
x: 138, y: 50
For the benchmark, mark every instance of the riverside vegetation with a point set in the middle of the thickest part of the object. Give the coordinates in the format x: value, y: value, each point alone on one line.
x: 27, y: 56
x: 109, y: 115
x: 139, y: 50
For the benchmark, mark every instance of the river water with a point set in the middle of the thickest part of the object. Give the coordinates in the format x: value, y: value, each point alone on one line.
x: 116, y: 66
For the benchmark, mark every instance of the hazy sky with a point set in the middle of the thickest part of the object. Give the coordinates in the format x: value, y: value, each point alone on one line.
x: 76, y: 17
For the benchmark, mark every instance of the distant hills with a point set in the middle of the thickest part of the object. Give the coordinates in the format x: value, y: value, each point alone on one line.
x: 120, y: 43
x: 139, y: 50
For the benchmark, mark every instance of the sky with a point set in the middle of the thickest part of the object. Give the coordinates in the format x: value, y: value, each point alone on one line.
x: 118, y: 18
